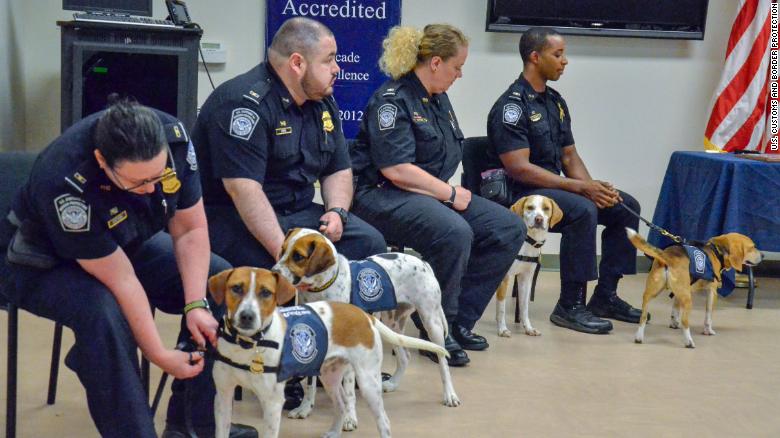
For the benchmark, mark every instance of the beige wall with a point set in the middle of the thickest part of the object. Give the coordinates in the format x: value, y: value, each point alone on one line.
x: 633, y: 101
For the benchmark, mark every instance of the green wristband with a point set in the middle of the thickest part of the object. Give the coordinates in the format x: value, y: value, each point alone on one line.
x: 198, y: 304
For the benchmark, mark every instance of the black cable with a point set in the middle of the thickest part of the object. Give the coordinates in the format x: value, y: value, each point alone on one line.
x: 205, y: 67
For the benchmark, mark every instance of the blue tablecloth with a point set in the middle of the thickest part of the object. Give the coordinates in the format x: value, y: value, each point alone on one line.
x: 704, y: 195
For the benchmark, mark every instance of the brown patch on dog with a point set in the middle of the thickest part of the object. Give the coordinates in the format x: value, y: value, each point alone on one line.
x: 557, y: 213
x: 291, y: 232
x: 519, y: 206
x: 737, y: 249
x: 285, y: 291
x: 501, y: 292
x: 217, y: 285
x: 309, y: 255
x: 351, y: 326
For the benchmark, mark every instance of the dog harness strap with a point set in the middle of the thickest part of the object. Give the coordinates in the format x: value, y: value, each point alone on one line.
x: 523, y: 258
x: 700, y: 266
x: 535, y: 243
x: 212, y: 352
x: 226, y: 333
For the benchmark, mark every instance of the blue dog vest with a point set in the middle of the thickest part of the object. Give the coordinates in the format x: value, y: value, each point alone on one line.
x: 305, y: 343
x: 700, y: 265
x: 372, y: 289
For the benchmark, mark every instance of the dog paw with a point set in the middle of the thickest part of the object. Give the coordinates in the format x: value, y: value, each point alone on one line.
x: 708, y: 331
x: 300, y: 412
x: 504, y: 332
x: 350, y: 423
x: 451, y: 400
x: 638, y: 340
x: 530, y: 331
x: 690, y: 345
x: 330, y: 434
x: 389, y: 386
x: 674, y: 324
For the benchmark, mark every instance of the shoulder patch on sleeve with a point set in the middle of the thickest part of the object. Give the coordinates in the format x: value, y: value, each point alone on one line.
x: 192, y: 158
x: 175, y: 133
x: 73, y: 213
x: 386, y: 114
x: 512, y: 113
x: 243, y: 122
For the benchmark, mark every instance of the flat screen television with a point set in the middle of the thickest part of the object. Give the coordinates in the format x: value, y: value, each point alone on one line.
x: 141, y: 8
x: 672, y: 19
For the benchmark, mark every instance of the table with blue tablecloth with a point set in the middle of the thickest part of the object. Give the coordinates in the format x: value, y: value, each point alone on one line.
x: 704, y: 195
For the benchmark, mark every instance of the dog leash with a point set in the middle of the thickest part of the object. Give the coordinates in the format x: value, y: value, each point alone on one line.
x: 652, y: 226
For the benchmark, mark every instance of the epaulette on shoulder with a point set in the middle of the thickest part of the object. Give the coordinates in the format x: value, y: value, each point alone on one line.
x: 516, y: 95
x: 258, y: 91
x: 392, y: 89
x: 175, y: 133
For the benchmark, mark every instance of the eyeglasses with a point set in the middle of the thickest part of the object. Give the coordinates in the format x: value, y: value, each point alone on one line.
x: 168, y: 174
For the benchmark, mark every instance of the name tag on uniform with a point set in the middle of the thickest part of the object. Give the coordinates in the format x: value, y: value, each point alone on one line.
x: 118, y: 219
x: 284, y: 130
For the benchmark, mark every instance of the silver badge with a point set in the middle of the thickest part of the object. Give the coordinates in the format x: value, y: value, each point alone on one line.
x: 73, y: 213
x: 699, y: 257
x: 304, y: 343
x: 369, y: 284
x: 512, y: 113
x: 243, y: 122
x: 386, y: 115
x: 192, y: 159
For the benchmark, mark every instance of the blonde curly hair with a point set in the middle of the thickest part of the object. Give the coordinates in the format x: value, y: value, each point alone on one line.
x: 406, y: 46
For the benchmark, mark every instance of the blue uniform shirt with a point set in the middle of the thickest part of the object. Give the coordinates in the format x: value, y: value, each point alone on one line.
x: 77, y: 211
x: 521, y: 118
x: 404, y: 124
x: 250, y: 127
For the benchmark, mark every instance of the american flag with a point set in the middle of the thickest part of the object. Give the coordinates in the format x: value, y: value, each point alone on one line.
x: 740, y: 107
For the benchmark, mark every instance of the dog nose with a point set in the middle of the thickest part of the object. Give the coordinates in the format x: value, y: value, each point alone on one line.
x: 539, y: 220
x: 246, y: 318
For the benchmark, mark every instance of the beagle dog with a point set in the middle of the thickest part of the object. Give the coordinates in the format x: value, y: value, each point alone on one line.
x: 539, y: 213
x: 671, y: 271
x: 250, y: 353
x: 310, y: 261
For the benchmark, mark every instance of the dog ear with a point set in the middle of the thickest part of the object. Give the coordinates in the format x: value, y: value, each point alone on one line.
x: 217, y: 285
x: 285, y: 291
x: 320, y: 258
x: 518, y: 207
x: 557, y: 213
x: 734, y: 251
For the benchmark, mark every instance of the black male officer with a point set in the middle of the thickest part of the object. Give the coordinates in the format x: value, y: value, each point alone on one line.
x: 264, y: 138
x: 530, y: 134
x: 111, y: 222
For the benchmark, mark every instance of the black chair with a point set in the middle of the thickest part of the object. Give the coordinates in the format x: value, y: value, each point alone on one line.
x: 475, y: 161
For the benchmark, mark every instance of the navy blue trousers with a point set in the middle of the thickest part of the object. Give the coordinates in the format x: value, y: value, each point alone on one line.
x: 105, y: 353
x: 470, y: 251
x: 232, y: 240
x: 578, y: 237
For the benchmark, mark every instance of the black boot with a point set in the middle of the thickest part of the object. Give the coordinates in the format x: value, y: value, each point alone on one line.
x: 606, y: 304
x: 468, y: 339
x: 236, y: 431
x: 570, y: 311
x: 458, y: 357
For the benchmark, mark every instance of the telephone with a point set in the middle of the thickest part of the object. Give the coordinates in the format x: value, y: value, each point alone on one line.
x: 178, y: 13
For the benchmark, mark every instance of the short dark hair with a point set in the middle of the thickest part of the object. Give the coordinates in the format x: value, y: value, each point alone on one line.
x: 129, y: 131
x: 299, y: 34
x: 534, y: 40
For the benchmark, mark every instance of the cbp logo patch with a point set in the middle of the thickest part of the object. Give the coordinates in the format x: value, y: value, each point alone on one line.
x: 386, y: 116
x: 304, y: 343
x: 369, y: 284
x: 699, y: 257
x: 192, y: 159
x: 243, y: 122
x: 72, y: 212
x: 512, y: 113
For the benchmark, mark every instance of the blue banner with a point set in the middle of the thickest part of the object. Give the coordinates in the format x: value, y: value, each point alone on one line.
x: 359, y: 27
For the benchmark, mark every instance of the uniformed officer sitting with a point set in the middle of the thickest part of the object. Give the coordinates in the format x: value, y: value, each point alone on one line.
x: 409, y: 146
x: 90, y: 251
x: 530, y: 134
x: 264, y: 138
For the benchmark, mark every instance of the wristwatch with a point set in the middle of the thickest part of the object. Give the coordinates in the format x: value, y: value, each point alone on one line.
x: 450, y: 202
x: 343, y: 214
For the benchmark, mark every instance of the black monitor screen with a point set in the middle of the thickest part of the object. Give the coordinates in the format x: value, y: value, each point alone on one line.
x: 148, y: 78
x: 132, y: 7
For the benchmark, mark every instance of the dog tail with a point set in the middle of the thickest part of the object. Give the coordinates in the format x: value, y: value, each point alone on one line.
x: 641, y: 244
x: 408, y: 341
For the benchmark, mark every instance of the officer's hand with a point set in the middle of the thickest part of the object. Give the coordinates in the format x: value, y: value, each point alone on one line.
x: 600, y: 194
x: 331, y: 226
x: 180, y: 364
x: 202, y: 326
x: 462, y: 199
x: 615, y: 192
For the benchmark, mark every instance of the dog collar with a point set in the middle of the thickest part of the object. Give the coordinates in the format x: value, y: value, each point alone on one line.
x: 523, y: 258
x: 535, y: 243
x: 327, y: 285
x: 245, y: 342
x: 719, y: 256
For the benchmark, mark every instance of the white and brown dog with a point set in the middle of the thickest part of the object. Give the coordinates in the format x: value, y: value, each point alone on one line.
x: 310, y: 261
x: 354, y: 338
x: 671, y: 271
x: 539, y: 213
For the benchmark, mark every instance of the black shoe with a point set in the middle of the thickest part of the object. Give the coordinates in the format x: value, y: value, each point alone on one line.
x: 458, y: 357
x: 613, y: 307
x: 236, y: 431
x: 579, y: 319
x: 467, y: 339
x: 293, y: 394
